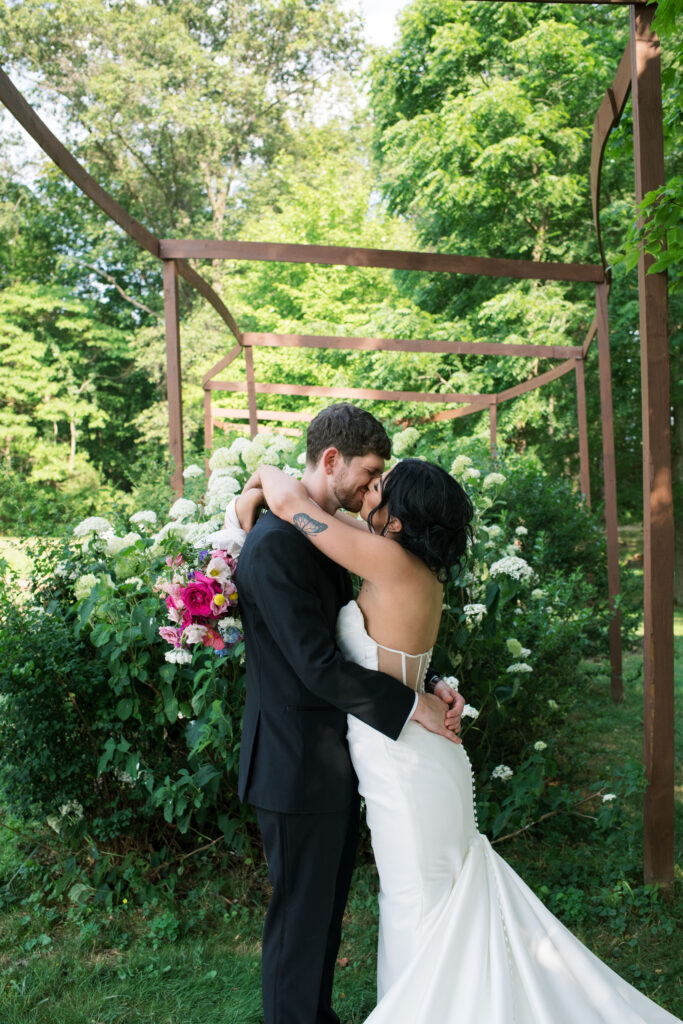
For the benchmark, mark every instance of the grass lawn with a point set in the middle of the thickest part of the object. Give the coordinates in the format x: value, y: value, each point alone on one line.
x: 201, y: 965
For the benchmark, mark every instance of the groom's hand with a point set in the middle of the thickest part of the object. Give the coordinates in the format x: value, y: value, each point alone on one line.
x: 432, y: 714
x: 454, y: 701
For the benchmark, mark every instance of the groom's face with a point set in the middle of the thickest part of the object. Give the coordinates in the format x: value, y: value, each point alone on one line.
x: 352, y: 478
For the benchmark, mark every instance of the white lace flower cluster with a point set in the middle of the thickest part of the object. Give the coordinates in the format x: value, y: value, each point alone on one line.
x: 94, y: 526
x: 404, y: 441
x: 520, y: 666
x: 512, y: 566
x: 474, y: 613
x: 502, y: 772
x: 68, y: 813
x: 469, y: 712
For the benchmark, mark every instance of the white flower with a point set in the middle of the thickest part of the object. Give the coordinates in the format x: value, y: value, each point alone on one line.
x: 471, y: 474
x: 218, y: 569
x: 226, y: 458
x: 113, y: 545
x: 521, y: 531
x: 220, y: 494
x: 451, y: 681
x: 226, y: 540
x: 512, y: 566
x: 221, y: 480
x: 518, y: 667
x: 502, y: 771
x: 192, y: 471
x: 537, y: 594
x: 292, y: 471
x: 227, y: 623
x: 513, y: 646
x: 182, y: 508
x: 609, y: 797
x: 193, y: 633
x: 178, y: 657
x: 553, y: 705
x: 494, y: 531
x: 469, y: 712
x: 281, y: 443
x: 460, y: 462
x: 540, y: 746
x: 134, y: 581
x: 493, y: 480
x: 474, y: 612
x: 95, y: 524
x: 145, y: 516
x: 405, y: 440
x: 83, y: 585
x: 301, y: 458
x: 73, y: 809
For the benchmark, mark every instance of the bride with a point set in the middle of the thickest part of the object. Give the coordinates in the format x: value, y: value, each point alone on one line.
x: 462, y: 938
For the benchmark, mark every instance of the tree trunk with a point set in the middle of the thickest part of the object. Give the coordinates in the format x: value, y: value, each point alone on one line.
x: 677, y: 478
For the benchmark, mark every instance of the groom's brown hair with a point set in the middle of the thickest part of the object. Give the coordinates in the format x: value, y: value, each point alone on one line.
x: 352, y: 431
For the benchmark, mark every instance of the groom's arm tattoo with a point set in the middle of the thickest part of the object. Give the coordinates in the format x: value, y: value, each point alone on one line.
x: 307, y: 525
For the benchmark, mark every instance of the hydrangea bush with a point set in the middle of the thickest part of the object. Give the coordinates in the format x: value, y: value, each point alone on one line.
x: 121, y: 710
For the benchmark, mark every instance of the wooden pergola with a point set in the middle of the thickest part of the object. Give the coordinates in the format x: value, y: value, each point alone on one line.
x: 638, y: 73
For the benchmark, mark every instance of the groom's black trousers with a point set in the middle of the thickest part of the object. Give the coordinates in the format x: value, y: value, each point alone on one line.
x: 310, y: 862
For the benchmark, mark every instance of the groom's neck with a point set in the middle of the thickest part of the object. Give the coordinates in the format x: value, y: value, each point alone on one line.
x: 316, y: 483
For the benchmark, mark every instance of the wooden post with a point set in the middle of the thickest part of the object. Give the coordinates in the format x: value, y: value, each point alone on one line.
x: 208, y: 427
x: 609, y: 470
x: 584, y: 467
x: 251, y: 389
x: 658, y: 527
x: 173, y: 385
x: 493, y: 430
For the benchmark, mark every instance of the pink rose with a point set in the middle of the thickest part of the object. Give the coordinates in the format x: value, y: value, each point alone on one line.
x: 199, y: 594
x: 170, y: 634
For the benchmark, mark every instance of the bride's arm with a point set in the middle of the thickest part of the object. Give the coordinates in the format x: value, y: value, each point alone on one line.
x: 361, y: 552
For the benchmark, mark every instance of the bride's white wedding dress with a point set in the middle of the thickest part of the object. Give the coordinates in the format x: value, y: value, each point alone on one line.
x: 462, y: 938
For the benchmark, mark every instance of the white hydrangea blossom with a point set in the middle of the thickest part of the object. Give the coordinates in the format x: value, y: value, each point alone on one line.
x: 192, y: 471
x: 512, y: 566
x: 182, y: 508
x: 519, y: 667
x: 474, y: 612
x: 513, y: 646
x: 540, y: 746
x: 493, y: 480
x: 113, y: 545
x: 224, y: 458
x: 293, y: 471
x: 94, y: 524
x: 144, y: 516
x: 239, y: 445
x: 471, y: 474
x: 405, y: 440
x: 84, y: 584
x: 521, y: 531
x: 469, y: 712
x: 537, y: 593
x: 609, y: 797
x: 459, y: 464
x: 553, y: 705
x: 494, y: 531
x: 221, y: 491
x: 503, y: 772
x: 301, y: 458
x: 134, y: 581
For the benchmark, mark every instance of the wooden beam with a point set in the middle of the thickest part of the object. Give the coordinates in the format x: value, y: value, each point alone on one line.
x: 535, y: 382
x: 337, y: 392
x: 493, y: 429
x: 481, y: 348
x: 658, y: 525
x: 456, y: 414
x: 263, y: 414
x: 610, y: 481
x: 251, y: 388
x: 173, y: 381
x: 582, y: 422
x: 607, y: 117
x: 391, y: 259
x: 234, y: 352
x: 27, y: 117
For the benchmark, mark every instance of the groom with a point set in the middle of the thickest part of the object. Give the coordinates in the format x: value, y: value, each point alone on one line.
x: 294, y: 760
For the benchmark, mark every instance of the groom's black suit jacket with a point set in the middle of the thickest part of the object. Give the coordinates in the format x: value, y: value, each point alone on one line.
x: 294, y: 757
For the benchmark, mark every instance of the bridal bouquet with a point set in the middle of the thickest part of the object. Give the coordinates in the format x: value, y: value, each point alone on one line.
x: 200, y: 601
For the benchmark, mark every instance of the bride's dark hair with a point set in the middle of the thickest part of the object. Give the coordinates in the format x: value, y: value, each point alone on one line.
x: 435, y: 514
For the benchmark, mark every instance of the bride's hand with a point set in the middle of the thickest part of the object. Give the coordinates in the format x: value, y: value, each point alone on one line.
x: 430, y: 714
x: 247, y: 507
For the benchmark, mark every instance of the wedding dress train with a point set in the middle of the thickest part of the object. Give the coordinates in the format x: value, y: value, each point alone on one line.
x: 462, y: 939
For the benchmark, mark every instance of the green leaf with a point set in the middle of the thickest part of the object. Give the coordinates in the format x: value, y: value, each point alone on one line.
x: 124, y: 708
